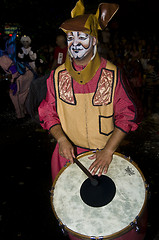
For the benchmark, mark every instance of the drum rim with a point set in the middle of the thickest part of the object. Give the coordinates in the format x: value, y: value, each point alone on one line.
x: 116, y: 234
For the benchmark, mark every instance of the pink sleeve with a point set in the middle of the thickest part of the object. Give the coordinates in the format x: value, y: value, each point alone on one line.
x: 47, y: 109
x: 126, y: 108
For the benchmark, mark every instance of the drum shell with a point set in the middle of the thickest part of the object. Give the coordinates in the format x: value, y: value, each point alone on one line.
x: 134, y: 231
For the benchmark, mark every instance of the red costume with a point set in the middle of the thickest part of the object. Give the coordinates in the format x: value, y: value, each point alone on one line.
x: 60, y: 55
x: 88, y: 102
x: 125, y: 111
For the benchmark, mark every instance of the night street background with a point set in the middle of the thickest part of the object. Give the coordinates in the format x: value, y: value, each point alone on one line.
x: 42, y: 19
x: 26, y: 149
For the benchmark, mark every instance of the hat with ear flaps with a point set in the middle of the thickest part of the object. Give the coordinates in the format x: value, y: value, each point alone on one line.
x: 89, y: 23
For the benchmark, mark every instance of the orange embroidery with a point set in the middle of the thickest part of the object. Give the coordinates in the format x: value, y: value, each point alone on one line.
x: 65, y: 87
x: 103, y: 95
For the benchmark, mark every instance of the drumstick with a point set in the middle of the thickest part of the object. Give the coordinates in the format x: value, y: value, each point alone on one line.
x: 94, y: 181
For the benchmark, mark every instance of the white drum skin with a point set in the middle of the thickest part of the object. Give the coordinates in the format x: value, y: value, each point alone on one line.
x: 117, y: 220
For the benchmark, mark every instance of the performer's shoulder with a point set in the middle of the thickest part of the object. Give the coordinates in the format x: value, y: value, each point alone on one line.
x: 108, y: 64
x: 60, y: 68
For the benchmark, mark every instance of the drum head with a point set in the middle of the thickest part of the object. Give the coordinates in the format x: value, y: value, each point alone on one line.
x: 84, y: 220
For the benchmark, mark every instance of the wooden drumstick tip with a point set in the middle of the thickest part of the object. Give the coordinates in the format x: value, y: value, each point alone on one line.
x: 94, y: 181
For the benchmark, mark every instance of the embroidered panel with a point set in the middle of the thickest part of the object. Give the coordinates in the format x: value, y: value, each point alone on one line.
x: 65, y: 87
x: 103, y: 94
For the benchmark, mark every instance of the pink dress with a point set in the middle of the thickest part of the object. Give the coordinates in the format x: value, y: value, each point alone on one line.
x: 23, y: 84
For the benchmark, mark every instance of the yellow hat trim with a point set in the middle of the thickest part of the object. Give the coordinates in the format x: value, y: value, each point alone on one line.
x: 79, y: 9
x: 89, y: 23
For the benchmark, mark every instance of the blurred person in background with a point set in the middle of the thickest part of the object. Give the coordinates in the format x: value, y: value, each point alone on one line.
x: 20, y: 76
x: 60, y: 51
x: 26, y: 54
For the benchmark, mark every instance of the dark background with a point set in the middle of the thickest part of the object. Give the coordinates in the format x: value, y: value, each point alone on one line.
x: 42, y: 19
x: 25, y: 174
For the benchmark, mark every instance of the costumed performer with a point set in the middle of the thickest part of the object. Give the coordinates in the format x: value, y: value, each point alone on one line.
x: 21, y: 76
x: 88, y: 105
x: 26, y: 53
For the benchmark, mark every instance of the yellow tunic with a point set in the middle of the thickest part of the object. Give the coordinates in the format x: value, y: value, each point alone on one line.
x: 87, y: 119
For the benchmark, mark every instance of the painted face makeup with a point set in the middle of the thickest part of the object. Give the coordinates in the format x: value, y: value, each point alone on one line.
x: 79, y: 44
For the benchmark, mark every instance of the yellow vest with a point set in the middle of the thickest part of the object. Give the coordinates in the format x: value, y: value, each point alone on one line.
x: 87, y: 119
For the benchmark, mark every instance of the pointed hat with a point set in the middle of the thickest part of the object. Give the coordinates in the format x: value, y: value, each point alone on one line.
x: 89, y: 23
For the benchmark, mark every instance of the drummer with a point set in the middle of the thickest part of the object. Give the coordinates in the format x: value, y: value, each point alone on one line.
x: 89, y: 105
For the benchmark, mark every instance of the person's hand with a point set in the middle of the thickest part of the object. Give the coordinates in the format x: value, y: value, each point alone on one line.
x: 31, y: 53
x: 66, y: 149
x: 102, y: 162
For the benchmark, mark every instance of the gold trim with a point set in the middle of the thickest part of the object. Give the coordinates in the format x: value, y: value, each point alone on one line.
x: 85, y: 75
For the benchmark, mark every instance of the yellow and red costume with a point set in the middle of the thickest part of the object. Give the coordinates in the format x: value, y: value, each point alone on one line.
x: 87, y: 112
x: 87, y: 101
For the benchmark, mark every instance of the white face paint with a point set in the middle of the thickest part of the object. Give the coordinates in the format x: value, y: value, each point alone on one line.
x: 26, y: 44
x: 79, y: 44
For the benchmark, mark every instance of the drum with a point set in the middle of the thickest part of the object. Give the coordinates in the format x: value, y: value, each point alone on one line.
x: 123, y: 218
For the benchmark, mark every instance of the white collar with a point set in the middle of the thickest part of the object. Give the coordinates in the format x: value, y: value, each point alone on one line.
x: 26, y: 50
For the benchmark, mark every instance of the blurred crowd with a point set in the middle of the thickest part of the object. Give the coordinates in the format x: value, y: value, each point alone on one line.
x: 138, y: 57
x: 27, y: 66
